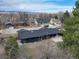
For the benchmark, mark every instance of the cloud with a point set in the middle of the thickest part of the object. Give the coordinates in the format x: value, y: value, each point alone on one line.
x: 37, y: 7
x: 33, y: 5
x: 28, y: 1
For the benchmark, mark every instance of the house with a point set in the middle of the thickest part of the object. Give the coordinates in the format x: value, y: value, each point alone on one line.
x: 7, y: 25
x: 36, y: 35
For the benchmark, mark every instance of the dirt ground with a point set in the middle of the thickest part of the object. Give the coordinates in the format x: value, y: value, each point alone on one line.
x: 2, y: 52
x: 42, y: 50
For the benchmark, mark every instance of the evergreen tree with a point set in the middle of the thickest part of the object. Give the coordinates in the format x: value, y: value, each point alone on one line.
x: 66, y: 14
x: 71, y: 32
x: 76, y: 9
x: 77, y: 4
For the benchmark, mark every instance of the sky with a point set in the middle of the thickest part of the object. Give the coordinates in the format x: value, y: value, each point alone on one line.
x: 37, y: 5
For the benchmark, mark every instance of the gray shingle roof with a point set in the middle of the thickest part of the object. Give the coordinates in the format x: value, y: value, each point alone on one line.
x: 25, y: 34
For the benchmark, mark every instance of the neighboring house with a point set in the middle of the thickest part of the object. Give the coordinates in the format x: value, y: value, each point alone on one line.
x: 7, y: 25
x: 35, y: 35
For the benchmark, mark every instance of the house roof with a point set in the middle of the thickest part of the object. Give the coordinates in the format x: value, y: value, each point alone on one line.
x: 25, y: 34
